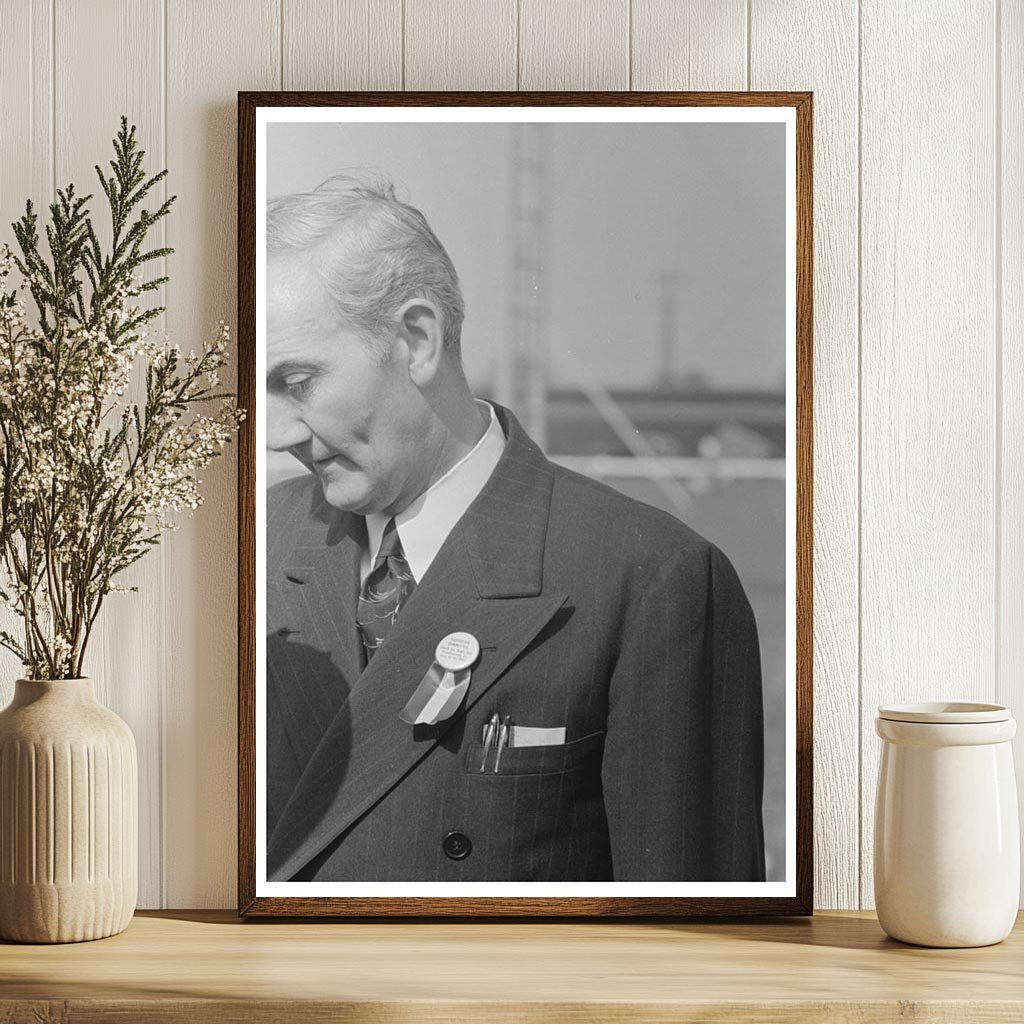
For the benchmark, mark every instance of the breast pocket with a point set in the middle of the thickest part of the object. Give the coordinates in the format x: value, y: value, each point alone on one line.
x: 556, y: 759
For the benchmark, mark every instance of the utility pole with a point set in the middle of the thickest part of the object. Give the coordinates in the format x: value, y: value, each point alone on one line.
x: 522, y: 382
x: 668, y: 326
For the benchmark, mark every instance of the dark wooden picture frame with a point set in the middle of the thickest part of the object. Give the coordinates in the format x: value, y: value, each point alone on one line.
x: 251, y: 904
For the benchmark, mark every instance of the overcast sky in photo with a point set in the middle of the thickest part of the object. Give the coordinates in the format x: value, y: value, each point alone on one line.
x: 626, y: 204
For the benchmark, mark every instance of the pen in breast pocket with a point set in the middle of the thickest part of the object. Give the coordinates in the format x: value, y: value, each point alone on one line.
x: 503, y: 738
x: 490, y: 734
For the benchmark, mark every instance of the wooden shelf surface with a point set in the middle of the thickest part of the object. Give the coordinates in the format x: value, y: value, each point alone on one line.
x: 200, y: 966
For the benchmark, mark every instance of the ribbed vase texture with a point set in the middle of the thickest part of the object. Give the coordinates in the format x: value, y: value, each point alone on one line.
x: 68, y: 815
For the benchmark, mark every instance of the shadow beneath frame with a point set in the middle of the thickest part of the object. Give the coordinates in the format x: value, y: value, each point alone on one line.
x: 836, y: 931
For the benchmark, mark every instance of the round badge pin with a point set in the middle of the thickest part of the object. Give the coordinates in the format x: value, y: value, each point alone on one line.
x: 457, y: 651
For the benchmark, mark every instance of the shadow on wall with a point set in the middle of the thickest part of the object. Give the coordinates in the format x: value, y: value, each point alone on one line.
x: 201, y: 562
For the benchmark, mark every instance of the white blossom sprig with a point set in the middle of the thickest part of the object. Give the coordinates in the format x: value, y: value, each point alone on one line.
x: 89, y: 478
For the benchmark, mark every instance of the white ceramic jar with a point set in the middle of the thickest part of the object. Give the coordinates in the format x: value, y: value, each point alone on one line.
x: 947, y: 847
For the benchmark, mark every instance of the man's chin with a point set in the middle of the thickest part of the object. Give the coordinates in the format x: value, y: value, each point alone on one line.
x: 345, y: 495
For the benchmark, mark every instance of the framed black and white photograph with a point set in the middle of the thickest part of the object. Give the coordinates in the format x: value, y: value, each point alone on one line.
x: 525, y: 504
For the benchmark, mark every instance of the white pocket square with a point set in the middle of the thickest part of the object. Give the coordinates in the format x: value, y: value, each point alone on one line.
x: 529, y: 736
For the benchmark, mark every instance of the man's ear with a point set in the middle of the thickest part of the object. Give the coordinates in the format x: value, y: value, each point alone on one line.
x: 420, y: 330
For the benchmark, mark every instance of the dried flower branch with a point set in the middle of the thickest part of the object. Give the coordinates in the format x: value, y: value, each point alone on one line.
x: 88, y: 478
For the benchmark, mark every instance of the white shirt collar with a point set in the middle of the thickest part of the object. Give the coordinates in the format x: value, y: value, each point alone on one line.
x: 425, y: 524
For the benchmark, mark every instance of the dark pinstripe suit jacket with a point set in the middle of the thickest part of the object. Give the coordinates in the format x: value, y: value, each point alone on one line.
x: 594, y: 612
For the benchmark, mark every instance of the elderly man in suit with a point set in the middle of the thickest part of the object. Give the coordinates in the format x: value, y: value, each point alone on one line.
x: 596, y: 714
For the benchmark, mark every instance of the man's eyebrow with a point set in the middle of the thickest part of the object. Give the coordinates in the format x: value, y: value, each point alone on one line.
x: 286, y: 366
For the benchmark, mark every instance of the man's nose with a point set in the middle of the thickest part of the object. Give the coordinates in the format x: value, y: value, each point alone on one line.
x: 285, y: 429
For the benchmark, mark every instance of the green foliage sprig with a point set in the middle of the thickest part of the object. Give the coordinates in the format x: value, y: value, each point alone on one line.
x: 88, y: 477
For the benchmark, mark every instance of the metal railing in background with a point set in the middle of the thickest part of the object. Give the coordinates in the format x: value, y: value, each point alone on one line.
x: 678, y: 467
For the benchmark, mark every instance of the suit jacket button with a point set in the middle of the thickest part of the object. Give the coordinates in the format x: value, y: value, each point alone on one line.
x: 456, y: 845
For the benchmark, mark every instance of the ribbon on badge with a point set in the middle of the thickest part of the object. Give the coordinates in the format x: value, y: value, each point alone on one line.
x: 442, y: 689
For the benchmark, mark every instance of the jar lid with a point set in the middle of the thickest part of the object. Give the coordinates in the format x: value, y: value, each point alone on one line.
x: 945, y: 712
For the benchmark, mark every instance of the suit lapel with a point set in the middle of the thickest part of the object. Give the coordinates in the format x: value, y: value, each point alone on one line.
x: 313, y: 641
x: 487, y: 580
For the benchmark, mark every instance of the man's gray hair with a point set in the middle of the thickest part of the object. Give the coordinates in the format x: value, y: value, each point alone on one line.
x: 372, y: 251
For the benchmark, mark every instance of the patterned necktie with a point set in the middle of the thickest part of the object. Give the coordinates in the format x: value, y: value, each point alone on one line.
x: 385, y: 591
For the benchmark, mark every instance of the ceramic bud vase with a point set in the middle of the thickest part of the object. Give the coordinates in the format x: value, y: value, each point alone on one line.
x: 947, y: 849
x: 68, y: 812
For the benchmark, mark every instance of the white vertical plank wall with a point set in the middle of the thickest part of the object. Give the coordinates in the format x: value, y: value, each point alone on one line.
x: 688, y: 45
x: 459, y: 44
x: 128, y: 81
x: 797, y: 45
x: 26, y: 129
x: 1009, y: 177
x: 213, y: 50
x: 928, y: 363
x: 348, y: 44
x: 574, y: 44
x: 919, y: 316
